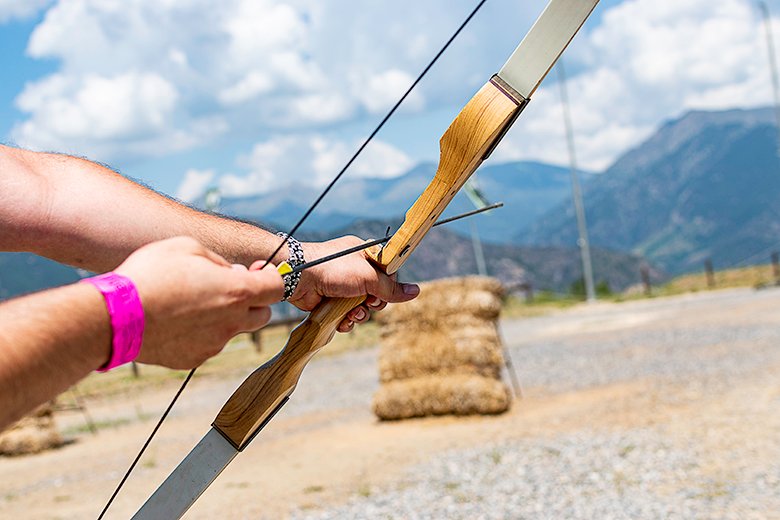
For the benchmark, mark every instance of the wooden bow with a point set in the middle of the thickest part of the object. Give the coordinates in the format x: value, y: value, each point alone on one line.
x: 466, y: 143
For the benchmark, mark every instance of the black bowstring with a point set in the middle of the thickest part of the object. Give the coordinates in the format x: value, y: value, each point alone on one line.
x: 146, y: 444
x: 295, y: 229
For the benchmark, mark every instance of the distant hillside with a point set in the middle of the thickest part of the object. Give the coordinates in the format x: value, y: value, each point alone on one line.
x: 705, y: 185
x: 528, y: 189
x: 22, y: 273
x: 445, y: 253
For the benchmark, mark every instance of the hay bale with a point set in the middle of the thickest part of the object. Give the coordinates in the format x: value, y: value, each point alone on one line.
x: 441, y: 394
x: 426, y: 350
x: 441, y: 353
x: 476, y: 296
x: 32, y: 434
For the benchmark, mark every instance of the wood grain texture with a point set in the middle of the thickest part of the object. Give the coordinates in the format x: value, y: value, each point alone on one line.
x: 478, y: 126
x: 462, y: 148
x: 261, y: 392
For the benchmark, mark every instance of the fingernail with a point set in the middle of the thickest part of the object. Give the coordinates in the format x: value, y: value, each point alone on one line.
x: 360, y: 314
x: 410, y: 289
x: 373, y: 301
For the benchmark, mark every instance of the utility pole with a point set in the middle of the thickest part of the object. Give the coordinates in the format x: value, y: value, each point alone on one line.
x: 476, y: 243
x: 579, y: 208
x: 479, y: 200
x: 770, y: 44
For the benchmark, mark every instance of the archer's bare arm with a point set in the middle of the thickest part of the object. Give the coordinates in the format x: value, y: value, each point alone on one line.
x: 83, y: 214
x: 44, y: 350
x: 194, y: 302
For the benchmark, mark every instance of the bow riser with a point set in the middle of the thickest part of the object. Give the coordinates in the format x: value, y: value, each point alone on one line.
x: 473, y: 133
x: 466, y: 143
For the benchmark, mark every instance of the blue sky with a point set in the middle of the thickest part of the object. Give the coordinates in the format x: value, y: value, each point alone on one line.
x: 251, y: 95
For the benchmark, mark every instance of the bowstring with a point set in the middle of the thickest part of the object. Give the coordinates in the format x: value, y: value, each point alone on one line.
x: 296, y: 227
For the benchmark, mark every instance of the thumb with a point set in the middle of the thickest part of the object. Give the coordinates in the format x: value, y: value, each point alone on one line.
x: 387, y: 289
x: 265, y: 287
x: 260, y: 264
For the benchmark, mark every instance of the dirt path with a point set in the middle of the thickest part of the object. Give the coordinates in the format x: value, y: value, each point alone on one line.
x: 314, y: 456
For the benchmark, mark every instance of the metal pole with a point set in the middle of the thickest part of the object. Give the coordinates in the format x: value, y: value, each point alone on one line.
x: 510, y: 367
x: 644, y: 270
x: 709, y: 273
x: 770, y: 45
x: 478, y: 254
x: 579, y: 208
x: 83, y: 408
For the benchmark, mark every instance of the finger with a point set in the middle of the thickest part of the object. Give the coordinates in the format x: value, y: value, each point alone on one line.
x: 260, y: 264
x: 375, y: 304
x: 346, y: 325
x: 239, y: 267
x: 256, y: 318
x: 264, y: 287
x: 390, y: 291
x: 359, y: 314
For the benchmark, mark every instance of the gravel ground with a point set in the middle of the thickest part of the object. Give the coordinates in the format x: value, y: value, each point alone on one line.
x: 673, y: 338
x: 633, y: 474
x: 717, y: 457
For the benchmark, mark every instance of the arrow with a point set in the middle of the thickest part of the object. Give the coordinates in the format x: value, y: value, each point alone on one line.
x: 285, y: 268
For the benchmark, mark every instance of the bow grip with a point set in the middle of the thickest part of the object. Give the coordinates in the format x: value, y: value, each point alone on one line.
x: 262, y: 393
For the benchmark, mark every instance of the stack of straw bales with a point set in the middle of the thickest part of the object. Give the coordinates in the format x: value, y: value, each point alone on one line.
x: 34, y: 433
x: 441, y: 353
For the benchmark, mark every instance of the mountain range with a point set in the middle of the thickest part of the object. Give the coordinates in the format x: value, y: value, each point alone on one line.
x: 446, y: 253
x: 528, y: 189
x: 21, y: 273
x: 706, y: 185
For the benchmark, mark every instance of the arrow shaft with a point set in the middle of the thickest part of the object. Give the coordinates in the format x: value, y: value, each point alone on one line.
x: 378, y: 241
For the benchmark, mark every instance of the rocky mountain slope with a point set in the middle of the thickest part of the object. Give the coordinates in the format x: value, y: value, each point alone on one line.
x: 706, y: 185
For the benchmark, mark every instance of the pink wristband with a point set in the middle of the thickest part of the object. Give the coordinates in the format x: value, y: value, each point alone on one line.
x: 126, y: 314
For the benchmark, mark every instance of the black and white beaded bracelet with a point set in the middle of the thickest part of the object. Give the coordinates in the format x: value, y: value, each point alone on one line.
x: 296, y: 258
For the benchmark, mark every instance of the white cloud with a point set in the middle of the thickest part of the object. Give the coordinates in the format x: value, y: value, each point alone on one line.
x: 254, y: 65
x: 153, y: 77
x: 14, y: 9
x: 194, y: 184
x: 98, y: 107
x: 314, y: 109
x: 648, y: 61
x: 128, y: 114
x: 381, y: 91
x: 309, y: 160
x: 252, y: 85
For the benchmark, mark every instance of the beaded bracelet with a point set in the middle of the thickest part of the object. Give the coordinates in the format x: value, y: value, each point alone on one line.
x: 296, y: 258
